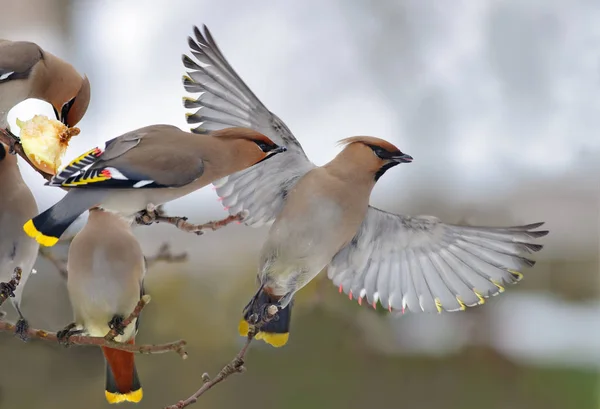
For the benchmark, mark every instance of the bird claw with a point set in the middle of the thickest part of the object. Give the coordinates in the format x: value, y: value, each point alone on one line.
x: 21, y: 328
x: 146, y: 217
x: 63, y: 335
x: 116, y: 324
x: 7, y: 290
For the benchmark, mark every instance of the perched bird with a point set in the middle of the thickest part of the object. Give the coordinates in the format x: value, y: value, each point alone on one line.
x: 106, y: 269
x: 26, y: 71
x: 151, y: 165
x: 322, y: 217
x: 17, y: 205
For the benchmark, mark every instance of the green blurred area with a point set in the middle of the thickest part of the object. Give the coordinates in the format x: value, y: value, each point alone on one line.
x: 328, y: 363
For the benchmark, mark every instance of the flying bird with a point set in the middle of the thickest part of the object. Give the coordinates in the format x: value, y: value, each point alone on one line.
x: 106, y: 269
x: 321, y: 217
x: 148, y: 166
x: 27, y: 71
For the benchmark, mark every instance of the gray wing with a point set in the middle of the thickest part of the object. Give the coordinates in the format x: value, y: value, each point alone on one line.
x: 17, y: 59
x: 156, y: 162
x: 422, y: 264
x: 226, y: 101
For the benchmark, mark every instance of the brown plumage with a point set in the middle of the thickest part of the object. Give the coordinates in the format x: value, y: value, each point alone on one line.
x: 322, y: 218
x: 151, y: 165
x: 106, y: 270
x: 27, y: 71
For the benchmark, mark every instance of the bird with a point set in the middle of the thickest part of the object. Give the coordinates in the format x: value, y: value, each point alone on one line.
x: 105, y: 282
x: 27, y: 71
x: 17, y: 205
x: 148, y: 166
x: 320, y: 217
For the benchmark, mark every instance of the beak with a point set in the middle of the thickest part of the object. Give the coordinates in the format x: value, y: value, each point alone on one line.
x: 404, y: 158
x: 276, y: 150
x: 272, y: 153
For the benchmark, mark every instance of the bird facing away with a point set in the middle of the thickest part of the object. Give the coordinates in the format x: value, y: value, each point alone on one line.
x: 26, y: 71
x: 151, y: 165
x: 322, y: 218
x: 106, y: 269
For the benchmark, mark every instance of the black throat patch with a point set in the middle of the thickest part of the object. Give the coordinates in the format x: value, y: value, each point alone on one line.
x: 3, y: 152
x: 384, y: 169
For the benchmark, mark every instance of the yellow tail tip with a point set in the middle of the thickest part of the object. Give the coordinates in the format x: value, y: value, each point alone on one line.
x: 273, y: 339
x: 243, y: 328
x: 276, y: 340
x: 133, y: 396
x: 34, y: 233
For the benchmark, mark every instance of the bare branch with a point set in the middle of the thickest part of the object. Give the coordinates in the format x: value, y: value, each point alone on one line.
x: 156, y: 215
x: 106, y: 341
x: 59, y: 263
x: 164, y: 254
x: 127, y: 321
x: 177, y: 346
x: 235, y: 366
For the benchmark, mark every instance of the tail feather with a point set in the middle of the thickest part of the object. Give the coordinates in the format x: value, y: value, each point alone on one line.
x: 275, y: 332
x: 47, y: 227
x: 122, y: 381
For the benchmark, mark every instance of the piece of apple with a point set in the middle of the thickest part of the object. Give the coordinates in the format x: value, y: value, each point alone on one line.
x: 45, y: 141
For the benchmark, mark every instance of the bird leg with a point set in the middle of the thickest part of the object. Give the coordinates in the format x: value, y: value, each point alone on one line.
x: 116, y: 323
x: 149, y: 215
x: 7, y: 290
x: 63, y: 335
x: 22, y: 326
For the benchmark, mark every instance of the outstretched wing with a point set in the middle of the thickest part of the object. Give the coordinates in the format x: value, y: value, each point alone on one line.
x: 226, y: 101
x: 422, y: 264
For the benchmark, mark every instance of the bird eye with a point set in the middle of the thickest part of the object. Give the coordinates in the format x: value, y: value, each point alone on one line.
x: 263, y: 146
x: 380, y: 152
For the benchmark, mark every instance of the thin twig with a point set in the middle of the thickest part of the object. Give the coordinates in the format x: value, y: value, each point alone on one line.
x: 156, y: 215
x: 177, y: 346
x: 235, y: 366
x: 59, y: 263
x: 108, y: 339
x: 7, y: 289
x: 16, y: 146
x: 134, y: 314
x: 164, y: 254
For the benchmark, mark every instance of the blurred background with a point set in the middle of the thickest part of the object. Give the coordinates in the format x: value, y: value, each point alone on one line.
x: 496, y: 100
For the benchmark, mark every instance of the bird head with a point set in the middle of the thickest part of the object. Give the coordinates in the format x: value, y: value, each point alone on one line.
x: 62, y: 86
x: 373, y: 154
x: 249, y: 147
x: 72, y: 104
